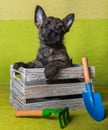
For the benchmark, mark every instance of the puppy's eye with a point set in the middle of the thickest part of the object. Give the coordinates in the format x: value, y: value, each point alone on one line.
x: 60, y: 27
x: 46, y: 26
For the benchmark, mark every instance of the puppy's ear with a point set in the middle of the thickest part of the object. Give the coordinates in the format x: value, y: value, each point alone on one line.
x: 39, y: 16
x: 68, y: 20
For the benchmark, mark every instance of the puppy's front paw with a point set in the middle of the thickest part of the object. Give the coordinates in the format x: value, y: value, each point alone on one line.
x: 17, y: 65
x: 50, y: 71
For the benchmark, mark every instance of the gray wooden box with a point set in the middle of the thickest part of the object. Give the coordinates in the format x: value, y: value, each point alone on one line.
x: 31, y: 90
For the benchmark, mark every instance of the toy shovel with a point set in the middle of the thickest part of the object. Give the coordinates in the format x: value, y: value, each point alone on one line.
x: 92, y: 101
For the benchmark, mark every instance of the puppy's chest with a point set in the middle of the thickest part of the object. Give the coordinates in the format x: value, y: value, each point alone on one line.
x: 47, y: 52
x: 50, y: 54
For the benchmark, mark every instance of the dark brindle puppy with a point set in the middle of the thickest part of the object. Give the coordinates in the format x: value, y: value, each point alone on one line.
x: 52, y: 53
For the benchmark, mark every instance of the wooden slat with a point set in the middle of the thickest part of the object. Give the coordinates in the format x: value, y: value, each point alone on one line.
x: 38, y: 73
x: 17, y: 91
x: 67, y: 73
x: 39, y: 91
x: 14, y: 102
x: 54, y: 90
x: 73, y: 104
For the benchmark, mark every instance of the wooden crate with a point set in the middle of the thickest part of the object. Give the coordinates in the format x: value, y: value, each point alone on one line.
x: 31, y: 90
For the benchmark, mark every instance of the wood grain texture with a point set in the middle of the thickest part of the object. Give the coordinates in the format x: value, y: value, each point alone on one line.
x: 20, y: 92
x: 28, y: 75
x: 71, y: 103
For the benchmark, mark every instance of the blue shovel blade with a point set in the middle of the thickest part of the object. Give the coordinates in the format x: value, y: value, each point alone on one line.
x: 95, y: 108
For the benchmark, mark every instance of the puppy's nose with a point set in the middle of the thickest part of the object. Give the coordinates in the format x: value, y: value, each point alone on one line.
x: 52, y: 34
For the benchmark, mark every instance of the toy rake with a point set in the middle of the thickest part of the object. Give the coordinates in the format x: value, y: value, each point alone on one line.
x: 62, y: 114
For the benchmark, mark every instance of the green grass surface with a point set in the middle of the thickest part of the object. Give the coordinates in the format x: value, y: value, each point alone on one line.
x: 19, y: 42
x: 80, y: 120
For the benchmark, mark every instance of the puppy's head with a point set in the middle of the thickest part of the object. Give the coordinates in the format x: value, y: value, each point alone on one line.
x: 52, y: 30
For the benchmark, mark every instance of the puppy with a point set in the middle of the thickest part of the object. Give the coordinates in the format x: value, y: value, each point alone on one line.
x: 52, y: 54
